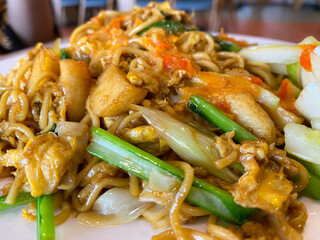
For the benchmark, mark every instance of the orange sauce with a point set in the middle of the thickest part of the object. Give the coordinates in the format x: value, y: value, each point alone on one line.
x: 116, y: 22
x: 286, y: 96
x: 174, y: 62
x: 166, y: 49
x: 305, y: 60
x: 216, y: 87
x: 158, y: 46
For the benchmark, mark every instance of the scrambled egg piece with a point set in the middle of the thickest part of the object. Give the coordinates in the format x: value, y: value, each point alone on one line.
x: 141, y: 134
x: 45, y: 158
x: 147, y: 138
x: 264, y: 185
x: 271, y: 193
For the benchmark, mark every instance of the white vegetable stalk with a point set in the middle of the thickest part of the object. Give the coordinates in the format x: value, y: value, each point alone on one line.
x: 282, y: 57
x: 315, y: 124
x: 303, y: 142
x: 306, y: 77
x: 308, y: 102
x: 309, y: 40
x: 317, y: 50
x: 315, y: 63
x: 189, y: 143
x: 278, y: 68
x: 160, y: 189
x: 114, y: 207
x: 314, y: 75
x: 294, y: 73
x: 162, y: 183
x: 273, y: 53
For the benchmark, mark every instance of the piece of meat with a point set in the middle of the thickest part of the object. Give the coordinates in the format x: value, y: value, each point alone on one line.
x: 113, y: 94
x: 45, y: 159
x: 43, y: 62
x: 251, y: 116
x: 75, y: 84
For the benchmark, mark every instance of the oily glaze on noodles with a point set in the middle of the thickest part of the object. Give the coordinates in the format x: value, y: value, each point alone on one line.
x: 49, y: 104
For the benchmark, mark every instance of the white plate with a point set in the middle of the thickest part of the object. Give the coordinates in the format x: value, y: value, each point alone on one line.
x: 13, y: 226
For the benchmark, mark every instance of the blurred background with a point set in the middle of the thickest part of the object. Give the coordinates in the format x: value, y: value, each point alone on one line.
x: 25, y: 22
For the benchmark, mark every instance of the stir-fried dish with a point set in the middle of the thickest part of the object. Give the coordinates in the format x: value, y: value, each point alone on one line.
x: 143, y: 115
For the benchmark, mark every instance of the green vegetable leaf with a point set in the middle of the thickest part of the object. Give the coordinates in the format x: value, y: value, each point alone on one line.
x: 227, y: 45
x: 171, y: 27
x: 53, y: 128
x: 65, y: 54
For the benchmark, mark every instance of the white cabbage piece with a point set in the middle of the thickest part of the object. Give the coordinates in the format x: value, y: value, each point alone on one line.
x: 308, y: 102
x: 306, y: 77
x: 303, y: 142
x: 162, y: 183
x: 315, y: 63
x: 315, y: 123
x: 273, y: 53
x: 114, y: 207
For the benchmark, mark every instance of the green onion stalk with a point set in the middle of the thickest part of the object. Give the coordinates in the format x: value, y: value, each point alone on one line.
x: 217, y: 118
x: 116, y: 151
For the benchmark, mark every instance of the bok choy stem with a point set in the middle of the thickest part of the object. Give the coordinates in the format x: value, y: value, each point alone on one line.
x: 114, y: 150
x: 45, y: 218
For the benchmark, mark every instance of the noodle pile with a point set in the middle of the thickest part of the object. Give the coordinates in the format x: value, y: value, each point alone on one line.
x: 49, y: 104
